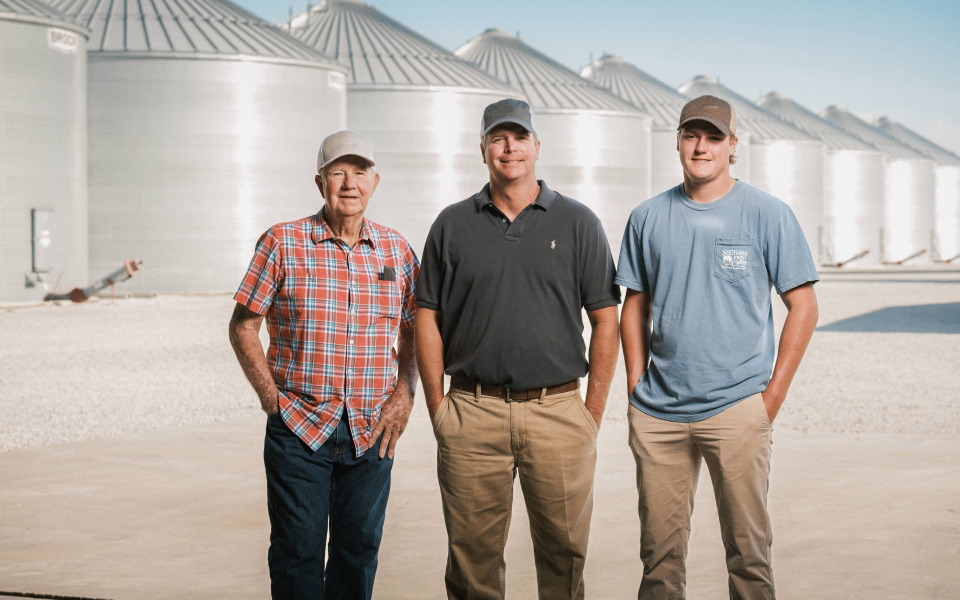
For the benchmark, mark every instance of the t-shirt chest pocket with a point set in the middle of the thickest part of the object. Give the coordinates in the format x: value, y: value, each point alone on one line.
x: 375, y: 300
x: 734, y: 258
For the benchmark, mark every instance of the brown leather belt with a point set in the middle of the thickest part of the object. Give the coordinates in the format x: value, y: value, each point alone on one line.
x: 499, y: 391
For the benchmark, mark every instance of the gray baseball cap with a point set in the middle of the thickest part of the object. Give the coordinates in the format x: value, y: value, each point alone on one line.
x: 508, y: 111
x: 343, y: 143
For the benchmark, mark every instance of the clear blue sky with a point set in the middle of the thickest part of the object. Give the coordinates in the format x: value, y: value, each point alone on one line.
x: 900, y: 59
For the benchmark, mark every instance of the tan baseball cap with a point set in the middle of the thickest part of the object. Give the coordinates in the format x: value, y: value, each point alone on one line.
x: 344, y: 143
x: 713, y: 110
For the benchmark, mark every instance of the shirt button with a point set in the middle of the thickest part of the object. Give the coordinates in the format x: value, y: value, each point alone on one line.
x: 504, y: 220
x: 351, y: 341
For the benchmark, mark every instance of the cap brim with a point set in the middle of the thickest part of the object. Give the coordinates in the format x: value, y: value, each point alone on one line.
x: 338, y: 157
x: 723, y: 127
x: 513, y: 120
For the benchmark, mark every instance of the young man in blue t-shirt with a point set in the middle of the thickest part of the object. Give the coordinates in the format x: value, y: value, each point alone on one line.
x: 697, y: 327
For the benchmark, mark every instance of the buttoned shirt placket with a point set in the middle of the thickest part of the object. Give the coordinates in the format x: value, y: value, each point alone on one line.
x: 353, y: 321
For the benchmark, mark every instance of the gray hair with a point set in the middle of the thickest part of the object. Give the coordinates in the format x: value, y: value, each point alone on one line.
x: 323, y: 172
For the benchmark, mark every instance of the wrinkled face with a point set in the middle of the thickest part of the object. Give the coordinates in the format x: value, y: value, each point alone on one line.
x: 510, y: 152
x: 347, y: 184
x: 705, y: 151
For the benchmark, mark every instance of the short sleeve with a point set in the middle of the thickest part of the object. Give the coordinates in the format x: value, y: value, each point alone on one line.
x: 597, y: 289
x: 409, y: 272
x: 786, y: 252
x: 631, y: 270
x: 430, y: 280
x: 264, y: 275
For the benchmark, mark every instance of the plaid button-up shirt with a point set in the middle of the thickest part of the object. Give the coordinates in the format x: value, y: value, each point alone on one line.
x: 333, y: 315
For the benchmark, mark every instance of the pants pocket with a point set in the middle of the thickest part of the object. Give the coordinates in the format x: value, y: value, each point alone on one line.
x: 442, y: 411
x: 587, y: 416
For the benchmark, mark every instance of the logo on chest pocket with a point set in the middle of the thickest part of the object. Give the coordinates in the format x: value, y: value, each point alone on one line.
x: 734, y: 259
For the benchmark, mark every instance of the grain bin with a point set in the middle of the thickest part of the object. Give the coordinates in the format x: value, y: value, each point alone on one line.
x: 947, y: 182
x: 595, y: 147
x: 909, y: 190
x: 656, y: 99
x: 784, y: 161
x: 418, y: 104
x: 204, y: 127
x: 43, y: 151
x: 854, y: 189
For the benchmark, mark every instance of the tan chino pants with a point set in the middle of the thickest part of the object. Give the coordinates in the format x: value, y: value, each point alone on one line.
x: 483, y: 443
x: 736, y: 445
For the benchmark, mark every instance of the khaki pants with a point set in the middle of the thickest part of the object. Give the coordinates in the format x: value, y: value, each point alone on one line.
x: 736, y: 445
x: 482, y: 444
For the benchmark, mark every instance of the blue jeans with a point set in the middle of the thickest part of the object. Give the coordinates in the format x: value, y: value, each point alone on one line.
x: 304, y: 490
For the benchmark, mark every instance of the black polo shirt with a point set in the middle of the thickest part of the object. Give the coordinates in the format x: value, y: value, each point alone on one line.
x: 511, y: 293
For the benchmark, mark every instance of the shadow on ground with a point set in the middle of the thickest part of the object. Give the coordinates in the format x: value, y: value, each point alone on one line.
x: 919, y: 318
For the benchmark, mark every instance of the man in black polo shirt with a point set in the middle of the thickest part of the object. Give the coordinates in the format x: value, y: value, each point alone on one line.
x: 503, y: 280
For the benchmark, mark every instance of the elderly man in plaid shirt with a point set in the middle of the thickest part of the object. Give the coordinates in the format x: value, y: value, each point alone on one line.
x: 336, y: 290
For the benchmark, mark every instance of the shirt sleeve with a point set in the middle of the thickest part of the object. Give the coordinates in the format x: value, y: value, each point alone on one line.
x: 785, y: 251
x: 597, y: 289
x: 430, y: 280
x: 264, y: 276
x: 409, y: 272
x: 631, y: 271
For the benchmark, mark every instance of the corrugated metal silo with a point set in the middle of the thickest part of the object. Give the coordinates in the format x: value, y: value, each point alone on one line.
x: 853, y: 174
x: 909, y: 193
x: 595, y: 147
x: 43, y: 151
x: 418, y: 104
x: 653, y: 97
x: 947, y: 181
x: 784, y: 161
x: 204, y: 127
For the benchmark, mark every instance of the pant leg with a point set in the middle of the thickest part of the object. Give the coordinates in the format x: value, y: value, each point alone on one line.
x: 668, y: 466
x: 557, y: 459
x: 736, y: 445
x: 298, y: 493
x: 358, y: 503
x: 475, y: 469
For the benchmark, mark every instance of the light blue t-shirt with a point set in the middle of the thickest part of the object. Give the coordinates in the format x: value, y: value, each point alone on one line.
x: 709, y: 269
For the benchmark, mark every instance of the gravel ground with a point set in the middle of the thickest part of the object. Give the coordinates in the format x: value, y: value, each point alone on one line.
x: 72, y: 372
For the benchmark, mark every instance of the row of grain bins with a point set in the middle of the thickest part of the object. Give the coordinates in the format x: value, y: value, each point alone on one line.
x: 43, y: 150
x: 203, y: 123
x: 595, y: 147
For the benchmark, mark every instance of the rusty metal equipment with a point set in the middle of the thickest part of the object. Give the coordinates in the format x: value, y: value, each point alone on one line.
x: 128, y: 270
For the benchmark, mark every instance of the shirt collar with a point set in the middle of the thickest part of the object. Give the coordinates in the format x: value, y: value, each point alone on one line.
x: 544, y: 199
x: 322, y: 232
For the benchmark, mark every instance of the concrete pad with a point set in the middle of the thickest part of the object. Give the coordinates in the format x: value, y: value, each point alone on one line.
x: 181, y: 513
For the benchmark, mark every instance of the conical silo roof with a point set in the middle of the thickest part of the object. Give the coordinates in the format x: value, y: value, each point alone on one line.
x: 761, y: 124
x: 916, y: 141
x: 381, y: 51
x: 34, y: 11
x: 643, y: 91
x: 184, y: 28
x: 546, y: 83
x: 856, y: 126
x: 835, y: 138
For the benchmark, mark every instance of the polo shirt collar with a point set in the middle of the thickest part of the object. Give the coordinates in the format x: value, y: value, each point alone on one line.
x: 544, y: 199
x: 322, y: 232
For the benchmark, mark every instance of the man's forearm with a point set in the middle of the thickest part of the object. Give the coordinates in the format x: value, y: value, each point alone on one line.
x: 603, y: 359
x: 429, y: 348
x: 407, y: 362
x: 635, y: 334
x: 245, y: 340
x: 798, y: 328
